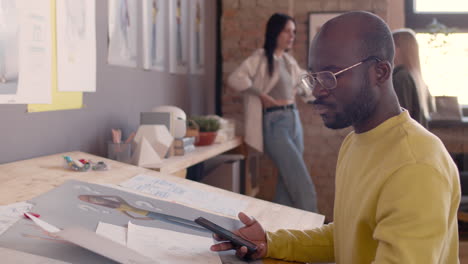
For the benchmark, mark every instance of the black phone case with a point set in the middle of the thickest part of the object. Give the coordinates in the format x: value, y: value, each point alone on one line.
x: 226, y: 234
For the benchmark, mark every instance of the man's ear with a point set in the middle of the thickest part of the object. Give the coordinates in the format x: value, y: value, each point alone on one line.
x: 383, y: 71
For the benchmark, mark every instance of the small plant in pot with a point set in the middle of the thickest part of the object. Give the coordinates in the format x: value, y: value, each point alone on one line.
x: 208, y: 128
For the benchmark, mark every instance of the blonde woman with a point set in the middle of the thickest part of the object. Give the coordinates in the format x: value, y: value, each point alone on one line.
x: 410, y: 87
x: 269, y: 81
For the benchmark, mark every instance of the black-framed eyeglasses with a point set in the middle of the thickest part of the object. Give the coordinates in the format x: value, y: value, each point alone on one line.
x: 327, y: 79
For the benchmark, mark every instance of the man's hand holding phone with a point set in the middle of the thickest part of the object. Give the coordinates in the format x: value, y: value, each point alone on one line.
x: 252, y: 231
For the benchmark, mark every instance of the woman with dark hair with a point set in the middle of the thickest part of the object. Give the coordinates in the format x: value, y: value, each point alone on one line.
x: 269, y: 81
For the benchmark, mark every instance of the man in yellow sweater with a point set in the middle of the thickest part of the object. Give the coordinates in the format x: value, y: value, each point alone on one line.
x: 397, y: 188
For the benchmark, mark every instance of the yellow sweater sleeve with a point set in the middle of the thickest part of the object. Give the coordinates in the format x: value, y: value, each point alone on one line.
x: 409, y: 229
x: 315, y: 245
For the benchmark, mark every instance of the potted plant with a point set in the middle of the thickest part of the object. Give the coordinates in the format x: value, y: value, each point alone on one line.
x: 208, y: 127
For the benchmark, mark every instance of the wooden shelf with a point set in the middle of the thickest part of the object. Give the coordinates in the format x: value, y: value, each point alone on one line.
x: 176, y: 164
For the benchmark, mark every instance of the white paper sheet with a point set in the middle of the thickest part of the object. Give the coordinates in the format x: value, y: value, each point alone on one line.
x: 25, y: 52
x: 85, y: 238
x: 197, y: 36
x: 178, y: 36
x: 122, y: 32
x: 180, y: 194
x: 76, y: 45
x: 113, y: 232
x: 154, y: 34
x: 11, y: 213
x: 14, y: 256
x: 169, y: 246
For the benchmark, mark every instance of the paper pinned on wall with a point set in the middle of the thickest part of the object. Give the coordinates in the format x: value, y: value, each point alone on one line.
x: 76, y: 45
x: 60, y: 100
x: 154, y: 34
x: 178, y: 36
x: 197, y: 37
x: 25, y: 52
x: 122, y: 32
x: 177, y: 193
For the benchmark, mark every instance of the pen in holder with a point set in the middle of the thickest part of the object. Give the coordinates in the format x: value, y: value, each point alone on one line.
x: 120, y: 151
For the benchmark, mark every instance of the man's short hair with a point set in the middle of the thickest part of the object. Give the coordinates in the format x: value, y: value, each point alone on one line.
x: 373, y: 31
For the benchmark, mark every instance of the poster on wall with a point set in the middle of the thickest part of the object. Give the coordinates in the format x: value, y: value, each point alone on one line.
x: 197, y: 36
x: 122, y: 32
x: 76, y: 45
x: 154, y: 34
x: 25, y: 51
x: 178, y: 25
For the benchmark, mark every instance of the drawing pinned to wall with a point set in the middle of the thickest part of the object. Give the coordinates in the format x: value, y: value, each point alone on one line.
x: 179, y: 33
x: 197, y: 37
x: 57, y: 100
x: 154, y: 34
x: 8, y: 47
x: 25, y: 51
x: 76, y: 45
x: 122, y: 32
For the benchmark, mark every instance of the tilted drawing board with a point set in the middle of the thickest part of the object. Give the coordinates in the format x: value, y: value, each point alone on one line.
x: 77, y: 203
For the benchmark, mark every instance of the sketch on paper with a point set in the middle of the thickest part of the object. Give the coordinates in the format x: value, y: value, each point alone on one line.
x: 25, y: 52
x: 181, y: 194
x: 8, y: 47
x: 122, y: 32
x: 197, y: 37
x: 154, y: 36
x: 118, y: 203
x: 75, y: 24
x: 179, y: 33
x: 76, y: 45
x: 78, y: 204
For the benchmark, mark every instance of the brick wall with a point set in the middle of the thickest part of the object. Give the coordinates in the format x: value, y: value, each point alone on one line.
x: 243, y: 24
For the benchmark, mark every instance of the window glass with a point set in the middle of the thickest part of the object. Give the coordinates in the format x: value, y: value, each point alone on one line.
x: 438, y: 6
x: 444, y: 63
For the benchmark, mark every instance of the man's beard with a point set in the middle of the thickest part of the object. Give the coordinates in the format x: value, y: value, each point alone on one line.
x: 357, y: 111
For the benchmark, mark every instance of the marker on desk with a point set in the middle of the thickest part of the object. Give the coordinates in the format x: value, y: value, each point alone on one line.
x: 68, y: 159
x: 33, y: 214
x: 78, y: 163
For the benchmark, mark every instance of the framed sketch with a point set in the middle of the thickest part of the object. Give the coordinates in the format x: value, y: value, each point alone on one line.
x: 154, y: 34
x: 178, y: 39
x: 197, y: 36
x: 316, y: 20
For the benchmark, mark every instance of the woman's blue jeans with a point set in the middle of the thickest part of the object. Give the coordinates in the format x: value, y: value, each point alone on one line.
x: 284, y: 143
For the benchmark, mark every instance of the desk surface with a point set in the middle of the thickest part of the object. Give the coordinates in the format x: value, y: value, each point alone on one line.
x: 23, y: 180
x: 201, y: 153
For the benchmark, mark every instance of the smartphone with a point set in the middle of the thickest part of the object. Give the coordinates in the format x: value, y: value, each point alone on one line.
x: 226, y: 234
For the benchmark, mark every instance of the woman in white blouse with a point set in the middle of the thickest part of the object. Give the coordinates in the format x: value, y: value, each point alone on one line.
x: 269, y: 80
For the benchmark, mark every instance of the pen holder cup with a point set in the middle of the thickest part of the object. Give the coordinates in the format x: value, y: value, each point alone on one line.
x: 120, y: 152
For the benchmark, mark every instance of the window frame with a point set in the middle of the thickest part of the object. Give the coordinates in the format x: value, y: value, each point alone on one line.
x: 419, y: 21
